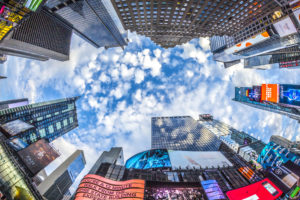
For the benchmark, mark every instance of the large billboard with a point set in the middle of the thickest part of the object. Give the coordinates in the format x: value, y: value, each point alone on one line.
x: 289, y: 94
x: 15, y: 127
x: 8, y: 20
x: 17, y: 144
x: 254, y: 94
x: 264, y: 189
x: 212, y: 190
x: 94, y: 187
x: 155, y: 158
x: 197, y: 159
x: 269, y: 92
x: 172, y: 192
x: 32, y: 4
x: 285, y: 27
x: 38, y: 155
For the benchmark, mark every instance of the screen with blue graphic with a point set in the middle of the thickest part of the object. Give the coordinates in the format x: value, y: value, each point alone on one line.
x: 274, y: 155
x: 290, y: 94
x: 155, y: 158
x: 76, y: 167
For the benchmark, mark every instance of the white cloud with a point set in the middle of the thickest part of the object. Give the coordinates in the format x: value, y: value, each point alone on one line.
x: 139, y: 76
x: 204, y: 43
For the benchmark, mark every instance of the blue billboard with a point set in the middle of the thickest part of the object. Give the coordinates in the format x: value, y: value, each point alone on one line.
x: 289, y: 94
x: 155, y: 158
x: 274, y: 155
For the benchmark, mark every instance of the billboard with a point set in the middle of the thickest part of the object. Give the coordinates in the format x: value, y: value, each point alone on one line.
x: 212, y: 190
x: 288, y: 64
x: 38, y: 155
x: 264, y: 189
x: 17, y: 144
x: 285, y: 27
x: 94, y: 187
x: 190, y: 159
x: 269, y: 92
x: 15, y: 127
x: 289, y: 94
x: 174, y: 192
x: 32, y: 4
x: 155, y: 158
x: 254, y: 94
x: 247, y: 172
x: 8, y: 20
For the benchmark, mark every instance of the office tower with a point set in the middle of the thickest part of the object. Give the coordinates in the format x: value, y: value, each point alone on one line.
x: 57, y: 184
x: 92, y: 20
x: 182, y: 133
x: 277, y: 98
x: 29, y: 123
x: 170, y: 23
x: 13, y: 103
x: 40, y: 37
x: 281, y: 141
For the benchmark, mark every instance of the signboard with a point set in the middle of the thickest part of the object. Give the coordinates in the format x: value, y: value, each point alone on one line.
x: 155, y: 158
x: 38, y: 155
x: 15, y: 127
x: 94, y: 187
x: 247, y: 172
x: 8, y: 20
x: 212, y: 190
x: 248, y: 43
x: 190, y: 159
x: 285, y: 27
x: 288, y: 64
x: 17, y: 144
x: 32, y: 4
x: 264, y: 189
x: 289, y: 94
x: 269, y: 92
x: 172, y: 191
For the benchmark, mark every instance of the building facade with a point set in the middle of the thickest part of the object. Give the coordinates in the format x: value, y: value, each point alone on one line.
x: 13, y: 103
x: 57, y: 184
x: 49, y: 120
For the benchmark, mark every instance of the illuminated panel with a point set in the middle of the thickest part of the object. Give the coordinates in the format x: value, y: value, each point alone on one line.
x: 10, y: 18
x: 94, y: 187
x: 285, y: 27
x: 248, y: 43
x: 247, y: 172
x: 289, y: 95
x: 269, y: 92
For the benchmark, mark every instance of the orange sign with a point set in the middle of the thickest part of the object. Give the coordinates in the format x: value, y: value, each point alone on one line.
x: 94, y: 187
x: 269, y: 92
x: 247, y: 172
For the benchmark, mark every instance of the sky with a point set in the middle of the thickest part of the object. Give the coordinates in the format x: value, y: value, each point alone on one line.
x: 122, y: 89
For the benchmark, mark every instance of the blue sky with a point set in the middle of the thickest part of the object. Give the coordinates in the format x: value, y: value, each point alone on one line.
x: 121, y: 90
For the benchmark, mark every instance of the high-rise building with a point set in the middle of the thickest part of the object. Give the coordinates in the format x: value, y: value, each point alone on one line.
x: 92, y: 20
x: 13, y: 103
x: 170, y: 23
x: 277, y: 98
x: 48, y: 120
x: 57, y: 184
x: 182, y: 133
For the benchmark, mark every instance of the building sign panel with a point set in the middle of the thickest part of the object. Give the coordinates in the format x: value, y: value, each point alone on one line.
x: 38, y: 155
x: 8, y: 19
x: 15, y: 127
x: 212, y: 190
x: 32, y: 4
x: 94, y: 187
x: 289, y: 94
x: 285, y: 27
x: 269, y: 92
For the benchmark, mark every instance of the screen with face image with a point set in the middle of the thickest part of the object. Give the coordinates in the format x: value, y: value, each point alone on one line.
x: 270, y: 188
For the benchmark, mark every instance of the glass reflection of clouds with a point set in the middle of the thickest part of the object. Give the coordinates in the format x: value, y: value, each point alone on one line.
x: 156, y: 158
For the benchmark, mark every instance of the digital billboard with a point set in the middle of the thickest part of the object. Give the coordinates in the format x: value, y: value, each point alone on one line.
x: 212, y: 190
x: 10, y: 20
x: 269, y: 92
x: 15, y: 127
x: 285, y: 27
x: 32, y: 4
x: 289, y: 94
x: 254, y: 94
x: 264, y: 189
x: 247, y: 172
x: 17, y: 144
x: 94, y: 187
x: 172, y: 192
x: 155, y: 158
x: 38, y: 155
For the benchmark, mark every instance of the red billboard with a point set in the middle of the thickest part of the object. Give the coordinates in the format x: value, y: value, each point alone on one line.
x: 270, y: 92
x: 264, y: 189
x: 38, y: 155
x: 94, y: 187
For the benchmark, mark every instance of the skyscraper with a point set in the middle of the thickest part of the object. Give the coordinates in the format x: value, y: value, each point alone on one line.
x: 170, y: 23
x: 277, y: 98
x: 48, y: 120
x: 57, y: 184
x: 92, y: 20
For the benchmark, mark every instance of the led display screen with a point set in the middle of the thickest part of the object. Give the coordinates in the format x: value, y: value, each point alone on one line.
x: 285, y: 27
x: 155, y: 158
x: 32, y: 4
x: 289, y: 94
x: 254, y: 94
x: 212, y: 190
x: 269, y: 92
x: 15, y: 127
x: 172, y: 192
x: 17, y: 144
x: 8, y: 19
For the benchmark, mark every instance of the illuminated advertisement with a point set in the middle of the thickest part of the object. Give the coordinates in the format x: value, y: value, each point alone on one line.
x: 288, y: 64
x: 248, y: 43
x: 285, y: 27
x: 172, y: 192
x: 32, y: 4
x: 17, y: 144
x: 289, y: 94
x: 212, y: 190
x: 264, y: 189
x: 269, y: 92
x: 254, y: 94
x: 274, y: 155
x: 15, y: 127
x: 38, y: 155
x: 8, y: 20
x: 155, y: 158
x: 203, y: 159
x: 94, y: 187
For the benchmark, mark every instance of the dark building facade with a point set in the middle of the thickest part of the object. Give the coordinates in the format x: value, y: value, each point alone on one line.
x: 49, y: 120
x: 90, y: 19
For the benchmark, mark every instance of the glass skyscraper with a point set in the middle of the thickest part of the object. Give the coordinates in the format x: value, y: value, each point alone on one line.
x: 48, y: 120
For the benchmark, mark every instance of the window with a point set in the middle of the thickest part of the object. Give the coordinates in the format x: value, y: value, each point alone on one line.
x: 65, y: 122
x: 51, y: 129
x: 42, y: 133
x: 58, y: 125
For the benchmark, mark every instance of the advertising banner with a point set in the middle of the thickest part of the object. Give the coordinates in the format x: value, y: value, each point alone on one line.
x: 285, y: 27
x: 17, y: 144
x: 254, y: 94
x: 38, y: 155
x: 269, y: 92
x: 212, y: 190
x: 264, y: 189
x: 288, y: 64
x: 172, y: 192
x: 15, y: 127
x: 155, y: 158
x: 94, y: 187
x: 289, y: 94
x: 32, y: 4
x: 190, y: 159
x: 8, y: 20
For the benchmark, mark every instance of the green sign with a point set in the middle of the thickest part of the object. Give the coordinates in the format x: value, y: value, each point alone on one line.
x: 32, y: 4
